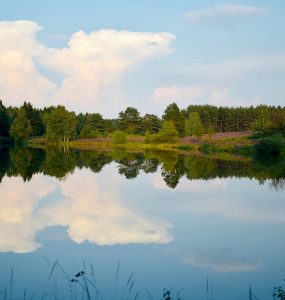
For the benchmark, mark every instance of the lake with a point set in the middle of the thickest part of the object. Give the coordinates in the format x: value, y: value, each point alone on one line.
x: 121, y: 225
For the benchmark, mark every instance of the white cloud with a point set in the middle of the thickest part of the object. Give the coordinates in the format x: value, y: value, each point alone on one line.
x: 90, y: 65
x: 222, y: 11
x: 94, y: 212
x: 17, y: 224
x: 185, y: 95
x: 220, y: 261
x: 20, y: 78
x: 222, y: 83
x: 96, y: 62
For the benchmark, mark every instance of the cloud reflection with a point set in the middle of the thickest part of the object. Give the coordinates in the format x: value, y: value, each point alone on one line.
x: 18, y: 200
x: 90, y: 206
x: 220, y: 261
x: 223, y: 197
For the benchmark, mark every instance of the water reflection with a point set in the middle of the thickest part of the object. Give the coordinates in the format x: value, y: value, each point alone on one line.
x: 91, y: 210
x: 57, y: 162
x: 221, y: 260
x: 153, y: 211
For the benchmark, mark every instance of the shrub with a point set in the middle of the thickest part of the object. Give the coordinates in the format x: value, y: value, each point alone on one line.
x: 208, y: 148
x: 119, y: 137
x: 268, y: 146
x: 168, y: 133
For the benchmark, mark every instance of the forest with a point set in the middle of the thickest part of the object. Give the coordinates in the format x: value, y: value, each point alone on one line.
x: 60, y: 125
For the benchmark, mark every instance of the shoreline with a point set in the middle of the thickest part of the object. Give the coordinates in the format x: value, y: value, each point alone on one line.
x: 235, y: 147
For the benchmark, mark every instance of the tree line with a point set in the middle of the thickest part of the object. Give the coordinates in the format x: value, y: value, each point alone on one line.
x: 59, y: 124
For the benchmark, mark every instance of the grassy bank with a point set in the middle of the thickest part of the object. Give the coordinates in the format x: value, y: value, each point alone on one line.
x: 236, y: 144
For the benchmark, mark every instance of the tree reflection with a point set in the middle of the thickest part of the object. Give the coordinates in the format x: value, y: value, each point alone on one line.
x: 59, y: 162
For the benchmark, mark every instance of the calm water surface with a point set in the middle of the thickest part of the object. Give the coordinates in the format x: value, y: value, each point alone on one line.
x: 206, y: 227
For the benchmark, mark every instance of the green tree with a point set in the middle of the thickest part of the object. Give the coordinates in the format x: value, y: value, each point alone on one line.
x: 173, y: 113
x: 4, y: 122
x: 193, y: 125
x: 35, y: 119
x: 150, y: 123
x: 96, y: 122
x: 119, y: 137
x: 80, y: 123
x: 60, y: 125
x: 129, y: 120
x: 262, y: 123
x: 168, y: 132
x: 20, y: 127
x: 87, y: 132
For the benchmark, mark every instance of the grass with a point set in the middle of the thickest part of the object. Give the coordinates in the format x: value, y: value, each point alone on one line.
x: 233, y: 145
x: 83, y: 285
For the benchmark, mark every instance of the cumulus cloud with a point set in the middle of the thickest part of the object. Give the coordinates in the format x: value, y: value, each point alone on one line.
x: 222, y: 11
x: 98, y: 215
x: 95, y: 62
x: 89, y: 65
x: 220, y: 261
x: 20, y: 78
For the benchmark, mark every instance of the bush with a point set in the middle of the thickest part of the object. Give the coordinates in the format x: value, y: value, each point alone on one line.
x: 152, y: 138
x: 119, y: 137
x: 269, y: 146
x: 168, y: 133
x: 208, y: 148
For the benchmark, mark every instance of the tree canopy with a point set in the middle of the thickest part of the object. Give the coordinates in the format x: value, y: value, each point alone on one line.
x: 60, y: 124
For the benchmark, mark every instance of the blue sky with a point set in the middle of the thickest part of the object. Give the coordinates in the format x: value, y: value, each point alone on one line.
x: 106, y: 55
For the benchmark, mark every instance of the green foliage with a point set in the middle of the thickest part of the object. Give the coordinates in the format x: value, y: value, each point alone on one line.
x: 80, y: 123
x: 264, y: 120
x: 25, y: 161
x: 129, y: 120
x: 20, y: 127
x: 208, y: 148
x: 4, y: 121
x: 59, y: 162
x: 210, y: 132
x: 186, y: 147
x: 60, y: 125
x: 35, y: 119
x: 173, y: 113
x: 119, y: 137
x: 193, y: 125
x: 270, y: 146
x: 150, y: 123
x: 111, y: 125
x: 167, y: 134
x: 88, y: 133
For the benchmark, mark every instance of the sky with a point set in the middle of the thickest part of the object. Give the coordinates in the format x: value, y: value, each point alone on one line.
x: 103, y: 56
